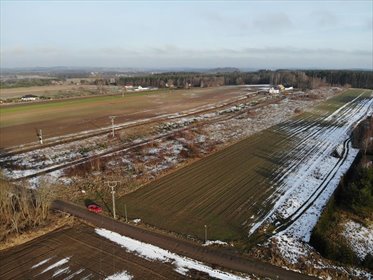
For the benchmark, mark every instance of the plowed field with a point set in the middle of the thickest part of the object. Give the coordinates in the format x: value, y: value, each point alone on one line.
x: 57, y: 118
x: 87, y: 256
x: 232, y: 189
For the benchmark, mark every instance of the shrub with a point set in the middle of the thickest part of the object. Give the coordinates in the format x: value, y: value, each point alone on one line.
x: 368, y: 261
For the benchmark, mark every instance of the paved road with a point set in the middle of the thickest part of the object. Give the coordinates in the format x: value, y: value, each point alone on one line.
x: 212, y: 256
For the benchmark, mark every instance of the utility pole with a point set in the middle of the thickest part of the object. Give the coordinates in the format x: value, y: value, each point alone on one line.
x: 205, y: 234
x: 112, y: 124
x: 112, y: 185
x: 124, y: 90
x: 125, y: 212
x: 40, y: 136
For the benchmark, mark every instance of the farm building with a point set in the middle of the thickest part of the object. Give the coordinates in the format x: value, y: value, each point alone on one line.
x: 29, y: 97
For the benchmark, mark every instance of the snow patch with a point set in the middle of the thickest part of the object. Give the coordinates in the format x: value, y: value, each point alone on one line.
x: 309, y: 177
x: 40, y: 263
x: 124, y: 275
x: 214, y: 242
x: 359, y: 237
x: 56, y: 264
x: 61, y: 271
x: 136, y: 221
x: 71, y: 276
x: 154, y: 253
x: 291, y: 248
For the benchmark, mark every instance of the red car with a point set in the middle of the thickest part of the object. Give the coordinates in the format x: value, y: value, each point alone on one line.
x: 94, y: 208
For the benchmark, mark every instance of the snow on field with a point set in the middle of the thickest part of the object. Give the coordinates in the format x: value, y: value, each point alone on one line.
x: 60, y: 271
x: 310, y: 173
x: 124, y: 275
x: 214, y: 242
x: 154, y: 253
x: 359, y: 237
x: 291, y: 249
x: 56, y: 265
x: 136, y: 221
x: 260, y: 119
x: 309, y: 176
x: 303, y: 226
x: 298, y: 253
x: 40, y: 263
x: 156, y: 159
x: 59, y: 267
x: 73, y: 275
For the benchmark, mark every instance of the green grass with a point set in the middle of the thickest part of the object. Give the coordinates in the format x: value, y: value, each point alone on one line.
x: 62, y: 104
x: 84, y: 107
x: 336, y: 102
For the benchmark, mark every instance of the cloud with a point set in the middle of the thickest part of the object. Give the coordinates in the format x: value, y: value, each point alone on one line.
x: 170, y: 55
x: 324, y: 18
x: 17, y: 50
x: 291, y: 51
x: 113, y: 51
x: 368, y: 25
x: 273, y: 23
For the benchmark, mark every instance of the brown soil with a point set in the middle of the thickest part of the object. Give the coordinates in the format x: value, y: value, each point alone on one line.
x: 97, y: 257
x: 212, y: 256
x: 19, y: 127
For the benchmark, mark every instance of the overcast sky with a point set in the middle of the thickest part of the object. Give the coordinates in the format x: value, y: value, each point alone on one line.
x: 246, y: 34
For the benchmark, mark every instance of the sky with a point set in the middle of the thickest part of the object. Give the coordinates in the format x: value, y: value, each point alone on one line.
x: 201, y: 34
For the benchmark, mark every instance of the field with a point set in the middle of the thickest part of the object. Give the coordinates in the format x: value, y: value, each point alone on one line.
x: 270, y: 186
x: 88, y: 256
x: 58, y: 118
x: 47, y: 91
x: 253, y: 182
x: 108, y: 249
x: 220, y: 191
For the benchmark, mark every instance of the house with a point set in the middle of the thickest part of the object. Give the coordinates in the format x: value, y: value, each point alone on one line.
x: 29, y: 97
x: 281, y: 88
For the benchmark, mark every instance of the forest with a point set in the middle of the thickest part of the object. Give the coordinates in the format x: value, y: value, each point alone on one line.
x: 299, y: 79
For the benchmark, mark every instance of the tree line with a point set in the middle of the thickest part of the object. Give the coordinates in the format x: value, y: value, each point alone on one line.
x: 353, y: 199
x: 300, y: 79
x: 307, y: 79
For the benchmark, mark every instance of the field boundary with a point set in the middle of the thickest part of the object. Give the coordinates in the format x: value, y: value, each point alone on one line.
x: 211, y: 256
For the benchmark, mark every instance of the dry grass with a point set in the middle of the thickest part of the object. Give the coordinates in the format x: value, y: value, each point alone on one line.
x: 59, y: 221
x: 22, y: 209
x: 25, y: 213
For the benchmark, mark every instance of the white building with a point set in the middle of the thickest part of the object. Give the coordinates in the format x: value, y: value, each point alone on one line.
x: 29, y: 97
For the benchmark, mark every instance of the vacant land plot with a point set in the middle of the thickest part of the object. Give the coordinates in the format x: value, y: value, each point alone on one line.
x: 232, y: 189
x: 47, y: 91
x: 18, y: 122
x: 88, y: 256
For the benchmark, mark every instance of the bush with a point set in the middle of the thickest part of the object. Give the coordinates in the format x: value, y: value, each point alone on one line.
x: 22, y: 209
x: 368, y: 261
x: 330, y: 248
x: 357, y: 195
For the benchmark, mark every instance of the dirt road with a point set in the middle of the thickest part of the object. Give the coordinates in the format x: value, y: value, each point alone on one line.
x: 210, y: 256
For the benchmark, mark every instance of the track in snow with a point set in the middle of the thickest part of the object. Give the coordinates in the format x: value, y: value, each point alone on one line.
x: 309, y: 167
